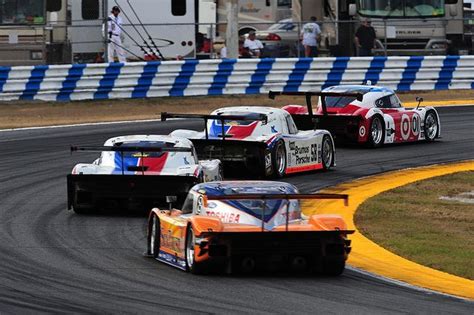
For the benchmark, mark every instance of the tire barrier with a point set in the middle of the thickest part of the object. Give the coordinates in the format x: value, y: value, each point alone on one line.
x: 231, y: 76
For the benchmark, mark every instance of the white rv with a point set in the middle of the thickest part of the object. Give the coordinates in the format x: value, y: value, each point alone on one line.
x: 163, y: 28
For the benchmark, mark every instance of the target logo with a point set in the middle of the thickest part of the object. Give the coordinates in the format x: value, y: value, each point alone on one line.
x: 405, y: 127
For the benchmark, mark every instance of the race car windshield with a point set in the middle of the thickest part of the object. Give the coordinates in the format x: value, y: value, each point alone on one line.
x: 262, y: 208
x: 146, y: 144
x: 339, y: 101
x: 251, y: 117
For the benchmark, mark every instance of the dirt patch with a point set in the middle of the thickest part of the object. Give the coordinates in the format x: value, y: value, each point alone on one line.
x: 415, y: 222
x: 19, y: 114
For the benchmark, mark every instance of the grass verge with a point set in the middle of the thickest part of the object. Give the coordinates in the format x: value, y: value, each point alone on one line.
x: 412, y: 221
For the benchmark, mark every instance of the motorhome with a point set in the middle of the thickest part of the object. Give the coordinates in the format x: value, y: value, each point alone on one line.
x: 33, y: 32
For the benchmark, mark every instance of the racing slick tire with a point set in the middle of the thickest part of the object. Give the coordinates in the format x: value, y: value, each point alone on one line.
x: 327, y: 152
x: 333, y: 268
x: 191, y: 265
x: 279, y: 159
x: 154, y: 237
x: 431, y: 126
x: 376, y: 132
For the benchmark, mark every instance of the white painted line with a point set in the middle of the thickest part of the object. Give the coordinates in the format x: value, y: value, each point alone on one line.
x: 87, y: 124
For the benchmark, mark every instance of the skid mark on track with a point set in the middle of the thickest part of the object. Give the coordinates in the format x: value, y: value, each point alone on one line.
x: 371, y: 257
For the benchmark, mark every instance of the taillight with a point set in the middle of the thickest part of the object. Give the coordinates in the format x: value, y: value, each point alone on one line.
x: 272, y: 36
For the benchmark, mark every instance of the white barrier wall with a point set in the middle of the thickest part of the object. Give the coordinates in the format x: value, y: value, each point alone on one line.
x: 230, y: 76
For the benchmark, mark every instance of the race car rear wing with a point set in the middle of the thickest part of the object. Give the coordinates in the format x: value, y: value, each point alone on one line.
x: 122, y: 149
x: 221, y: 118
x: 308, y: 95
x: 265, y: 197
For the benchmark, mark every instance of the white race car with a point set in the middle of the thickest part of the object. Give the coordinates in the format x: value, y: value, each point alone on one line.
x: 263, y: 141
x: 137, y: 171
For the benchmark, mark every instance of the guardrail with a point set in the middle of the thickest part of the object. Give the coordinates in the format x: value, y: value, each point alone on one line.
x: 231, y: 76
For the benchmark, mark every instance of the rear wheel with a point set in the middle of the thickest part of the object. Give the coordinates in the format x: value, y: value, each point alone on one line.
x: 327, y: 152
x: 154, y: 237
x: 376, y: 132
x: 191, y: 264
x: 431, y: 126
x: 279, y: 159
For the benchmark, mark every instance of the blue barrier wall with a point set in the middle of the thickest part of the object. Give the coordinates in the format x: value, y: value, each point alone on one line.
x: 230, y: 76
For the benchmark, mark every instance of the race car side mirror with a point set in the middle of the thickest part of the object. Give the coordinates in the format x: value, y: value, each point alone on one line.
x: 419, y: 100
x: 170, y: 200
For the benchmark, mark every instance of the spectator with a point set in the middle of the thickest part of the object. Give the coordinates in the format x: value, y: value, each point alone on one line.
x: 253, y: 45
x: 115, y: 30
x: 223, y: 52
x: 365, y: 38
x: 310, y: 35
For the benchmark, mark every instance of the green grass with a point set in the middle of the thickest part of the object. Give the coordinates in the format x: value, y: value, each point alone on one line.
x: 413, y: 222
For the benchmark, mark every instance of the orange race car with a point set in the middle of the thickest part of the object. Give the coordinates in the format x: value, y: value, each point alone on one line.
x: 245, y: 226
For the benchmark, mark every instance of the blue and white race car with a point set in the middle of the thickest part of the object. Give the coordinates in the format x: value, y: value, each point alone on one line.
x: 263, y: 141
x: 137, y: 171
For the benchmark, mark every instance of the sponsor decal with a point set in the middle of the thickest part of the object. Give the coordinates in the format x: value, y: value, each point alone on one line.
x: 169, y: 241
x: 172, y: 260
x: 227, y: 217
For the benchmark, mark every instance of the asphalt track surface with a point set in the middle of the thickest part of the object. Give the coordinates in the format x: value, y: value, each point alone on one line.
x: 54, y: 260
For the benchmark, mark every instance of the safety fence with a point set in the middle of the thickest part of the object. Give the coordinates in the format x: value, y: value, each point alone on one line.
x: 231, y: 76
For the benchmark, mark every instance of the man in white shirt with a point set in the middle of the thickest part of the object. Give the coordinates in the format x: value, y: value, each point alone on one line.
x: 253, y: 45
x: 310, y: 35
x: 114, y: 27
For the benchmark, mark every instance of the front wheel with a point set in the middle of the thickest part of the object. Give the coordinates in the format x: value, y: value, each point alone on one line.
x: 431, y: 126
x: 376, y: 132
x: 327, y: 152
x: 279, y: 160
x: 154, y: 237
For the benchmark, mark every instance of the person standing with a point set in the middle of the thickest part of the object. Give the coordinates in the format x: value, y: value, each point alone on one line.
x: 114, y: 27
x: 310, y: 35
x: 365, y: 38
x: 253, y: 45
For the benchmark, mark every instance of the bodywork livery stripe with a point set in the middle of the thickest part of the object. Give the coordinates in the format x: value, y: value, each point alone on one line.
x: 296, y: 169
x: 106, y: 84
x: 297, y: 75
x: 182, y: 80
x: 258, y: 78
x: 70, y: 83
x: 376, y: 67
x: 446, y: 74
x: 334, y: 77
x: 34, y: 82
x: 146, y: 79
x: 172, y: 260
x: 221, y: 78
x: 409, y: 74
